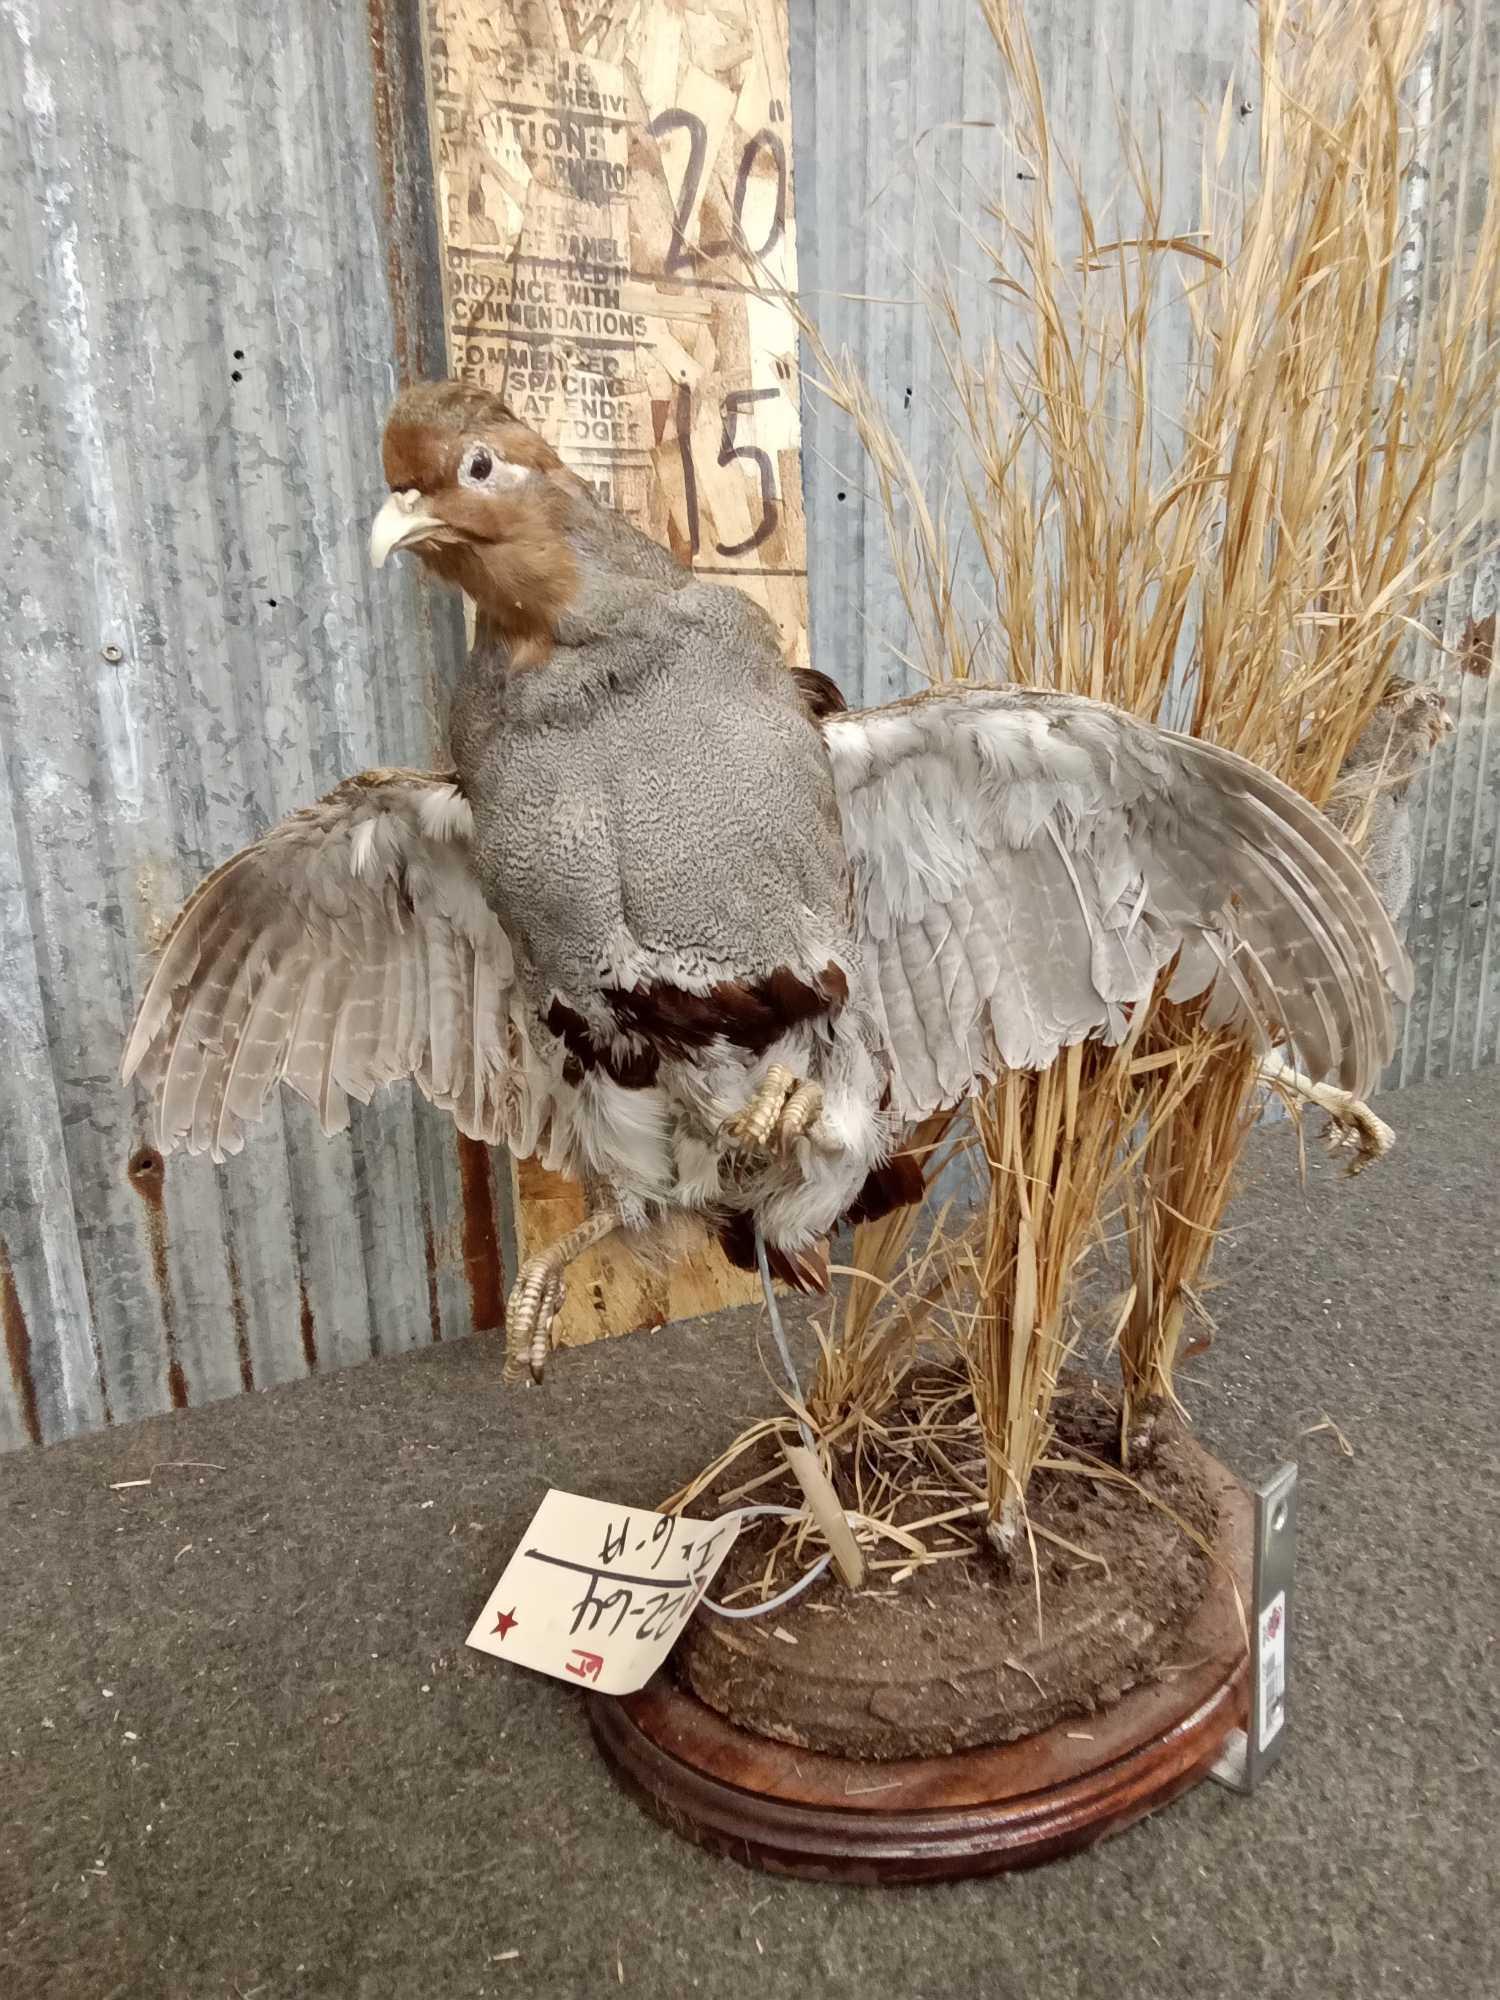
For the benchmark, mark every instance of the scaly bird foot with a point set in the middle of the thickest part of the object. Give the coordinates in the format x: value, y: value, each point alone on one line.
x: 1353, y: 1128
x: 536, y: 1299
x: 538, y: 1294
x: 781, y: 1111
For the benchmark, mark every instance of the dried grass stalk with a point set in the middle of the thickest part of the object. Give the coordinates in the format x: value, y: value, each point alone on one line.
x: 1175, y: 1196
x: 1246, y: 564
x: 1052, y: 1143
x: 881, y: 1323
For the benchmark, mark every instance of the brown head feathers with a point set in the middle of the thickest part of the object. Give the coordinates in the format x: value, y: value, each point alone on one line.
x: 430, y: 424
x: 497, y: 500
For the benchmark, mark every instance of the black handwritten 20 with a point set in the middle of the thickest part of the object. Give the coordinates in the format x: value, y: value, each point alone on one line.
x: 681, y: 255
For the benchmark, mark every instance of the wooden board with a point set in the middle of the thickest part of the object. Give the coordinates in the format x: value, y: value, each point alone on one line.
x: 615, y: 206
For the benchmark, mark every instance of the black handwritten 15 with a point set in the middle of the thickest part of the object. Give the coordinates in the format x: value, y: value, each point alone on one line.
x: 734, y: 403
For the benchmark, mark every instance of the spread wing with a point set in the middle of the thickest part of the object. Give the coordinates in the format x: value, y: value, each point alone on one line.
x: 1026, y: 863
x: 349, y: 948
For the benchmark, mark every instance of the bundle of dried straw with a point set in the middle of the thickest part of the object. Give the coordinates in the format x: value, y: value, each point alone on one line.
x: 1247, y: 565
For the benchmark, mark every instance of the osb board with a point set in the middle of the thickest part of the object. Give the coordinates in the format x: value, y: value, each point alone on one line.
x: 615, y: 202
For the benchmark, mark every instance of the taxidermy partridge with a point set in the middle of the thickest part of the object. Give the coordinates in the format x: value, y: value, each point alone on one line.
x: 701, y: 939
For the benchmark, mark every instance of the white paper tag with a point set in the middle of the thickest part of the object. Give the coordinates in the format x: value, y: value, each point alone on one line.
x: 1272, y: 1668
x: 598, y: 1593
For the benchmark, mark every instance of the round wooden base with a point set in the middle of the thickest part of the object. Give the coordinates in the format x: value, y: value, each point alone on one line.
x: 927, y: 1819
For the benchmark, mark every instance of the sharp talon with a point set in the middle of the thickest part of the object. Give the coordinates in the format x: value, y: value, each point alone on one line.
x: 1352, y: 1126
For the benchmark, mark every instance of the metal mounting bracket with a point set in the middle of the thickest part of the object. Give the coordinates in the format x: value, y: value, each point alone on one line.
x: 1250, y: 1753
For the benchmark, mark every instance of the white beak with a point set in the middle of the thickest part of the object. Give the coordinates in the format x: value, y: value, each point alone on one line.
x: 402, y: 521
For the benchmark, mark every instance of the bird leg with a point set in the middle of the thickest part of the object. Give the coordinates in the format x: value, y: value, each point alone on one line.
x: 537, y: 1296
x: 780, y: 1111
x: 1352, y: 1125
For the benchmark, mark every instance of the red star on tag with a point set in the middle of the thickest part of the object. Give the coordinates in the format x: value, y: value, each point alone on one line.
x: 1273, y: 1623
x: 504, y: 1622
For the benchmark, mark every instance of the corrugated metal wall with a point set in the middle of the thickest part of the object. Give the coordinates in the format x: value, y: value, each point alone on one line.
x: 199, y: 349
x: 1453, y: 1023
x: 206, y: 278
x: 901, y: 136
x: 899, y: 124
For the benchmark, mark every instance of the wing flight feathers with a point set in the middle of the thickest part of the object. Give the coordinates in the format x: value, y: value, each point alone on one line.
x: 349, y: 948
x: 1026, y: 864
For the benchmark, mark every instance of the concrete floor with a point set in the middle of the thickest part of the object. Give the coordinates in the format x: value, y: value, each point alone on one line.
x: 248, y: 1754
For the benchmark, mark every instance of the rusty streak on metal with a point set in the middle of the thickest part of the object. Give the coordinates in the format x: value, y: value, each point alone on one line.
x: 241, y: 1319
x: 385, y: 146
x: 434, y: 1310
x: 309, y: 1328
x: 147, y: 1175
x: 481, y: 1241
x: 403, y: 156
x: 1476, y: 649
x: 18, y: 1346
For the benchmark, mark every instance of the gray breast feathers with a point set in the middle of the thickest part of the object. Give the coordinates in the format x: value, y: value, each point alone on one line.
x: 1026, y: 864
x: 658, y: 804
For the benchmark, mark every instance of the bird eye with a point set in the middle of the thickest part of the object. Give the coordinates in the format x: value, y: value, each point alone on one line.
x: 488, y: 470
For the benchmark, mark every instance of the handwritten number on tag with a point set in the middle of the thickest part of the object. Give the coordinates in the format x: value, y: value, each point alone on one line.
x: 657, y: 1618
x: 599, y: 1593
x: 619, y: 1601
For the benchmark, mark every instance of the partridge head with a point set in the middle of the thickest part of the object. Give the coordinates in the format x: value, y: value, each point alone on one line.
x: 483, y: 502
